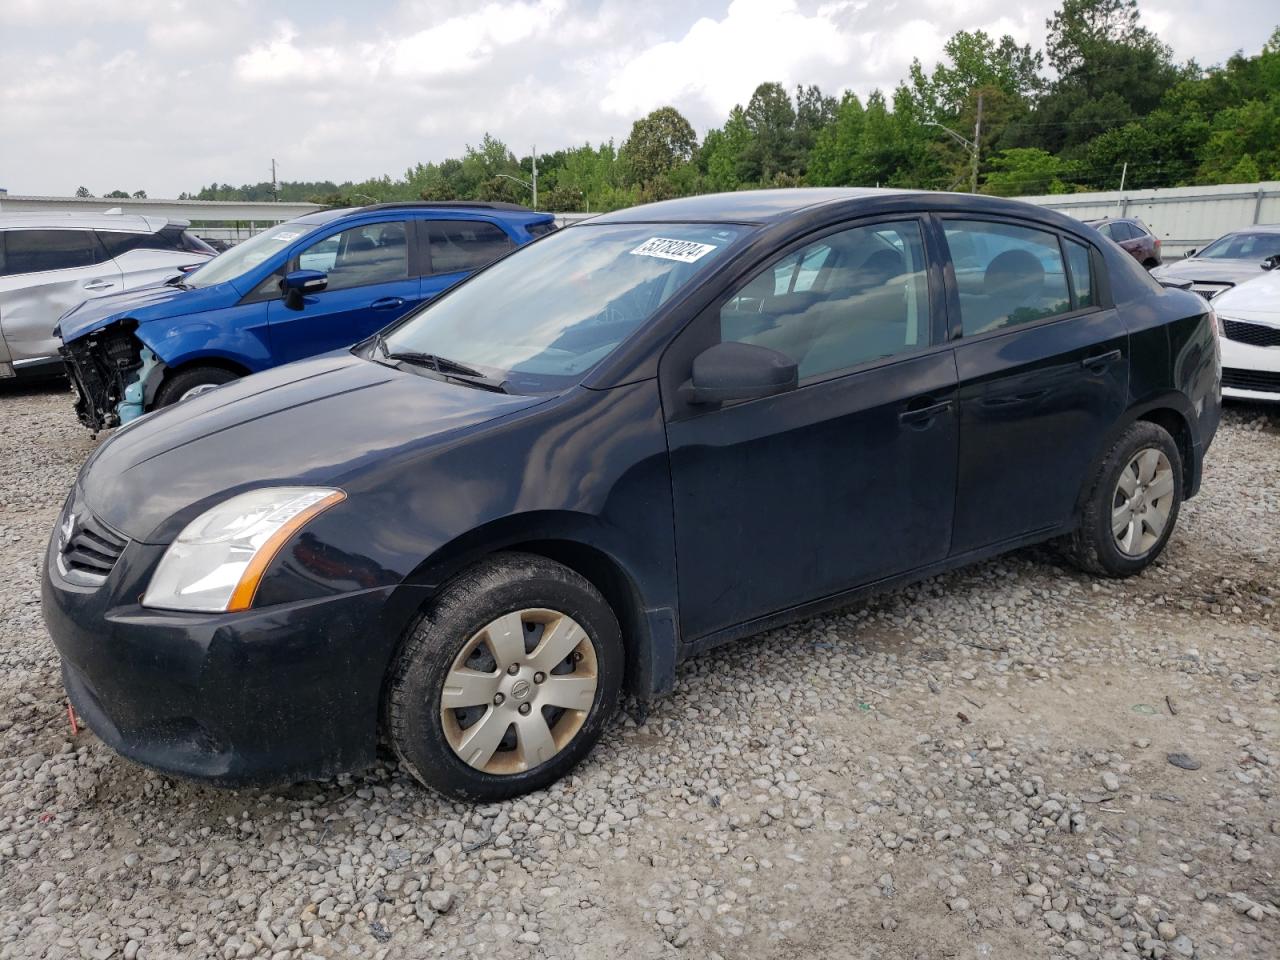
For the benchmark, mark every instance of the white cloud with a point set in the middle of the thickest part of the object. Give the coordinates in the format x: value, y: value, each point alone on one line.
x: 722, y: 61
x: 167, y: 95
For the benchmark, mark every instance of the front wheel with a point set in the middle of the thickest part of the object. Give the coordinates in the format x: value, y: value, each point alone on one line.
x: 506, y: 682
x: 191, y: 383
x: 1133, y: 503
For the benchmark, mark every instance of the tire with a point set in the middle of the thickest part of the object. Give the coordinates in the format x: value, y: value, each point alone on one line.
x: 177, y: 387
x: 454, y: 634
x: 1104, y: 543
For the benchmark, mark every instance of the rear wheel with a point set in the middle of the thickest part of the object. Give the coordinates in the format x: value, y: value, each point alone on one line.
x: 507, y: 681
x: 190, y: 383
x: 1133, y: 503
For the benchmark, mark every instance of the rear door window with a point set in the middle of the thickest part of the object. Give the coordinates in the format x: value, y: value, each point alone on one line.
x: 39, y: 251
x: 461, y: 245
x: 1006, y: 274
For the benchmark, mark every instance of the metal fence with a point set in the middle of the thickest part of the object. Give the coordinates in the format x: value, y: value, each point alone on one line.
x: 1184, y: 218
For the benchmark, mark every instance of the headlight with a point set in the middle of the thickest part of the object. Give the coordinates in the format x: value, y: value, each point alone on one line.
x: 218, y: 560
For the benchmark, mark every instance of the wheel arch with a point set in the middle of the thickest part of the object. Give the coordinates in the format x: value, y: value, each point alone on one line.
x: 578, y: 542
x: 1171, y: 411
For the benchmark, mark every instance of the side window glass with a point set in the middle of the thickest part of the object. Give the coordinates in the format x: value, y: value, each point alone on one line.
x: 320, y: 256
x: 372, y: 253
x: 858, y: 295
x: 1081, y: 274
x: 1107, y: 230
x: 36, y: 251
x: 458, y: 245
x: 1017, y: 276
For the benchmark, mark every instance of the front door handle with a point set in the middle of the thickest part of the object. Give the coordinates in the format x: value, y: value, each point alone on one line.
x: 387, y: 303
x: 99, y: 285
x: 1101, y: 361
x: 924, y: 415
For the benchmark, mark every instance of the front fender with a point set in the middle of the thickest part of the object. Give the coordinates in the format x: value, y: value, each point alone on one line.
x: 238, y: 335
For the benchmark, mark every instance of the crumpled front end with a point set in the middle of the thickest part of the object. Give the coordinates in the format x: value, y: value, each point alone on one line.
x: 111, y: 373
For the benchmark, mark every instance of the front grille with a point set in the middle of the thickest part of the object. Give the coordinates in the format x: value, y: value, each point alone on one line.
x: 1252, y: 333
x: 1263, y: 381
x: 88, y: 549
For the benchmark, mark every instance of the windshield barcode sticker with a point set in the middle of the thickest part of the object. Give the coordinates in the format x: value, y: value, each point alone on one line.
x: 686, y: 251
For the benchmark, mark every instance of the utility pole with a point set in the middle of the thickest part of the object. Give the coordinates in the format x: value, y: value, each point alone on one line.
x: 275, y: 185
x: 977, y: 147
x: 535, y: 176
x: 1123, y: 170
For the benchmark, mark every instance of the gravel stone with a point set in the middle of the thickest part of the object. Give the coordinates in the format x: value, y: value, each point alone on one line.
x: 919, y: 769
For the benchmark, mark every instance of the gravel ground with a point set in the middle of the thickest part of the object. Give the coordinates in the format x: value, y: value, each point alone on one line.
x: 977, y: 766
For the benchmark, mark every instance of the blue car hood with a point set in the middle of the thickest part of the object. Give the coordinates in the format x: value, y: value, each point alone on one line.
x: 158, y: 302
x: 322, y: 421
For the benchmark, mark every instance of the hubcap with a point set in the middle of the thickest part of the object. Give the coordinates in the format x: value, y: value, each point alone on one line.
x: 1142, y: 502
x: 518, y: 691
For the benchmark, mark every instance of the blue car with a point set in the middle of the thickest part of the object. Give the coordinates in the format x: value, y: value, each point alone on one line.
x: 302, y: 288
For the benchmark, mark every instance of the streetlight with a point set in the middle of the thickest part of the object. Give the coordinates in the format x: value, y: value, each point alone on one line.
x: 973, y: 145
x: 533, y: 187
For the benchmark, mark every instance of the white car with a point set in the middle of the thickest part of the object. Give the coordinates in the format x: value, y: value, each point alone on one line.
x: 1230, y: 260
x: 1249, y: 318
x: 52, y: 262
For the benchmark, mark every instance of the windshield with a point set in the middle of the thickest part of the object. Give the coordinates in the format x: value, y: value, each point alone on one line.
x: 245, y: 256
x: 542, y: 317
x: 1243, y: 246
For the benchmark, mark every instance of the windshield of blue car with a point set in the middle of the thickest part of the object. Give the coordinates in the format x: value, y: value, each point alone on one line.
x: 543, y: 316
x: 243, y: 257
x: 1243, y: 246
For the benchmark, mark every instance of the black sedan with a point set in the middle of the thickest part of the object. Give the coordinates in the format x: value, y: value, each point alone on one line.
x: 635, y: 439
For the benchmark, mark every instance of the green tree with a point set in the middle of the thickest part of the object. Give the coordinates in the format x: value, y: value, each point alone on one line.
x: 83, y: 192
x: 771, y: 118
x: 833, y: 160
x: 1026, y: 170
x: 116, y: 195
x: 659, y: 142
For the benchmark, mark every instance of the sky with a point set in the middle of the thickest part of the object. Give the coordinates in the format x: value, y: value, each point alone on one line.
x: 171, y: 95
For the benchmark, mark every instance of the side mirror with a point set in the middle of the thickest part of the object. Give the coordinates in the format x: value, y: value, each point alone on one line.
x: 739, y: 371
x: 1271, y: 262
x: 1189, y: 254
x: 295, y: 286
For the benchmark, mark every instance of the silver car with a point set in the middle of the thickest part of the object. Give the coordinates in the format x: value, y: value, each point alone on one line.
x: 1229, y: 260
x: 52, y: 262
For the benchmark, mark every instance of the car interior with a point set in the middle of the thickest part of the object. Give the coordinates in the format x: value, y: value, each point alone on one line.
x: 859, y: 295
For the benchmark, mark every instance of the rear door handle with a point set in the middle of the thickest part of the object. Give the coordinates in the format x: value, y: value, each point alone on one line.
x: 921, y: 415
x: 99, y: 285
x: 387, y: 303
x: 1101, y: 360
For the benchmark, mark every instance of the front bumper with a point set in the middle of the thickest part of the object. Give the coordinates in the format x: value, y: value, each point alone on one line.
x: 1250, y: 372
x: 289, y: 692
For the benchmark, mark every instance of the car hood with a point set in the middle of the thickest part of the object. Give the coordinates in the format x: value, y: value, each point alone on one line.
x: 1257, y: 297
x: 321, y: 421
x: 1215, y: 270
x: 157, y: 302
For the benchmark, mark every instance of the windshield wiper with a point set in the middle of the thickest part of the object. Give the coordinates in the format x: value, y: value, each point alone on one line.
x: 441, y: 365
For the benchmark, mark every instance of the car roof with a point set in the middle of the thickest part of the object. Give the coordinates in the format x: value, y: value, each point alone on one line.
x: 744, y: 206
x: 1256, y: 228
x: 428, y: 209
x: 123, y: 222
